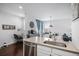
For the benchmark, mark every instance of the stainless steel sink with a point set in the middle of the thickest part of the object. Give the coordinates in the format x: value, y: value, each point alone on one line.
x: 55, y: 43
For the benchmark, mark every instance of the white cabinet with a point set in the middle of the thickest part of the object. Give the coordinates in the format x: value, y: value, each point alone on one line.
x: 42, y: 53
x: 62, y: 53
x: 53, y: 54
x: 40, y: 47
x: 75, y: 33
x: 75, y: 10
x: 47, y: 51
x: 43, y: 50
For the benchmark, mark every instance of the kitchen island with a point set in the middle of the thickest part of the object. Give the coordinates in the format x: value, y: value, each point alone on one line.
x: 42, y: 49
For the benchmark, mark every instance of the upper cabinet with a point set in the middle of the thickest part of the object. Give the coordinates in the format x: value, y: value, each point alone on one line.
x: 75, y: 10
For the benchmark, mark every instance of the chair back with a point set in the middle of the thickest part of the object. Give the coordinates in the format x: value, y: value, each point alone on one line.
x: 15, y: 36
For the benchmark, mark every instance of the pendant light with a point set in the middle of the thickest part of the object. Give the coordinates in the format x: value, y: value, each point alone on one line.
x: 50, y: 22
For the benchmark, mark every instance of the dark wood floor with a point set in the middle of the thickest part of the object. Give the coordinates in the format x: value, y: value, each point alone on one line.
x: 12, y: 50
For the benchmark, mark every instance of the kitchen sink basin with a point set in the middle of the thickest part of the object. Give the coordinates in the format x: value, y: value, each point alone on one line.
x: 55, y: 43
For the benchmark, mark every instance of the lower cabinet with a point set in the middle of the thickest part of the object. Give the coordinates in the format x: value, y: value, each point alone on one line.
x: 42, y: 54
x: 62, y: 52
x: 43, y: 51
x: 47, y: 51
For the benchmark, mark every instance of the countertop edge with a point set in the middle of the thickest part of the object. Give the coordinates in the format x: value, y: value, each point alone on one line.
x: 56, y: 47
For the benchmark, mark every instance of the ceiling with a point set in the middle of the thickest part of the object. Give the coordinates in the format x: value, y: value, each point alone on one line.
x: 44, y: 11
x: 41, y: 11
x: 12, y: 8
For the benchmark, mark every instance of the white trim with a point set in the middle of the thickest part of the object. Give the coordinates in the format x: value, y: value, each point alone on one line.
x: 8, y: 44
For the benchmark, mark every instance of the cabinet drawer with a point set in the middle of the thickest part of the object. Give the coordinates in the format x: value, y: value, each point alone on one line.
x: 44, y: 48
x: 63, y: 53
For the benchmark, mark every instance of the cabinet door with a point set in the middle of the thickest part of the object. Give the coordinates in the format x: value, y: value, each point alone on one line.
x: 43, y: 51
x: 75, y: 10
x: 62, y: 53
x: 42, y: 54
x: 54, y: 54
x: 44, y: 48
x: 75, y: 33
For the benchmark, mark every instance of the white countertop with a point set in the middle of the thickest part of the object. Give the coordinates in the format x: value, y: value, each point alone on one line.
x: 40, y: 41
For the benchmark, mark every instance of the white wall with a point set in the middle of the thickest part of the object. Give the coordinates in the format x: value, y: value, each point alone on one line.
x: 8, y: 19
x: 60, y: 26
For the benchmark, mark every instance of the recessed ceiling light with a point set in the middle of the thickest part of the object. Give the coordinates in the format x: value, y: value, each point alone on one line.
x: 20, y: 7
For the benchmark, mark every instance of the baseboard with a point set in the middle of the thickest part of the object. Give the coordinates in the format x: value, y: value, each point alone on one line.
x: 11, y: 43
x: 8, y: 44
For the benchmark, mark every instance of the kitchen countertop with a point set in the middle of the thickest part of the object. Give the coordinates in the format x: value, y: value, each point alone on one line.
x: 40, y: 41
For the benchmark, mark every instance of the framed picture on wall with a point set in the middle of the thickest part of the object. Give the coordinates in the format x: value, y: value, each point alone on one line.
x: 8, y: 27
